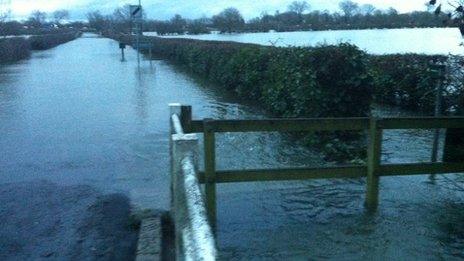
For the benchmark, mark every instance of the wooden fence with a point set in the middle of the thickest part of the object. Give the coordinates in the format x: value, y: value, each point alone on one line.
x: 373, y: 170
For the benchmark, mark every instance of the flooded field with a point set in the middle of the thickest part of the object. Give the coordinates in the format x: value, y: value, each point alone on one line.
x: 375, y: 41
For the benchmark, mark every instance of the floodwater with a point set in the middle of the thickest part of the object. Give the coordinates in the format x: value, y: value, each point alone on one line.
x: 76, y: 114
x: 375, y: 41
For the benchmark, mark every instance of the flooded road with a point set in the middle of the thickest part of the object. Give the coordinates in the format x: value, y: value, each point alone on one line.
x: 75, y: 114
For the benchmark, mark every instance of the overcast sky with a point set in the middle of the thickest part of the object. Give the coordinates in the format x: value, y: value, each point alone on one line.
x: 163, y: 9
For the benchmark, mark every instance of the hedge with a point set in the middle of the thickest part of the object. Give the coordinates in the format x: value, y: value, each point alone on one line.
x: 47, y: 41
x: 323, y: 81
x: 407, y: 80
x: 17, y: 48
x: 275, y: 76
x: 13, y: 49
x: 289, y: 82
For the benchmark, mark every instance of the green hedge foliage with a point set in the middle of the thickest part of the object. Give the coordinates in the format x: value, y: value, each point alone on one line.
x: 325, y: 81
x: 13, y: 49
x: 17, y: 48
x: 47, y: 41
x: 407, y: 80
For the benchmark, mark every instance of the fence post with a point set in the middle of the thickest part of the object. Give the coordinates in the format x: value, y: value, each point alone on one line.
x: 186, y: 117
x: 210, y: 169
x: 438, y: 109
x: 183, y: 146
x: 174, y: 108
x: 454, y: 146
x: 374, y: 154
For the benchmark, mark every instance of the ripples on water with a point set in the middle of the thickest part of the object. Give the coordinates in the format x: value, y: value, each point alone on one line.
x: 72, y: 118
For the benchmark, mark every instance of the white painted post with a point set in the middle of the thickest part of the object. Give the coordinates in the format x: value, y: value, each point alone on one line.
x: 184, y: 146
x: 194, y: 239
x: 174, y: 108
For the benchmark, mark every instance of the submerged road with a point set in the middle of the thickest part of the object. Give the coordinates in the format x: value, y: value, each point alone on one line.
x: 76, y: 115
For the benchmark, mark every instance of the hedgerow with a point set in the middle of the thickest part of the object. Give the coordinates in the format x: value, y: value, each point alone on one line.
x: 17, y: 48
x: 47, y: 41
x: 324, y: 81
x: 13, y: 49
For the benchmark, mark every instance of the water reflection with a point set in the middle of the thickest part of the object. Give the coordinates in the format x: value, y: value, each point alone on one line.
x: 142, y: 84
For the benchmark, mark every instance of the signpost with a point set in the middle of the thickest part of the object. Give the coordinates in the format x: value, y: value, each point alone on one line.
x: 136, y: 13
x: 122, y: 46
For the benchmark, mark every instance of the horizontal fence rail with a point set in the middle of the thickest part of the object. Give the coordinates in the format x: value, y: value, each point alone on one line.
x: 231, y: 176
x: 372, y: 170
x: 283, y: 125
x: 329, y: 124
x: 420, y: 168
x: 421, y: 123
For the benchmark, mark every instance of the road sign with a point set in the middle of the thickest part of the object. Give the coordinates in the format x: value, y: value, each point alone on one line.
x: 136, y: 14
x: 136, y: 11
x: 122, y: 46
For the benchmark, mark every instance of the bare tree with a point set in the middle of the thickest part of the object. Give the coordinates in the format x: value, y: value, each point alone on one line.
x: 122, y: 19
x: 60, y: 15
x: 178, y: 24
x: 349, y: 8
x: 368, y: 9
x: 456, y: 14
x: 37, y: 18
x: 96, y: 20
x: 228, y: 21
x: 122, y: 14
x: 298, y: 7
x: 4, y: 14
x: 392, y: 11
x: 3, y: 18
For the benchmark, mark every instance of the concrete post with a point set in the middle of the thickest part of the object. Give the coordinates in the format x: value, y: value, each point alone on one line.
x: 184, y: 147
x: 174, y: 108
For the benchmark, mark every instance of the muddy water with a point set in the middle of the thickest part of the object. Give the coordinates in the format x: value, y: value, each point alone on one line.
x: 76, y: 114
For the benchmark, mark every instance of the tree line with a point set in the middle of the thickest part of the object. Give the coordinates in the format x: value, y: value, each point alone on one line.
x: 299, y: 17
x: 38, y: 22
x: 351, y: 16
